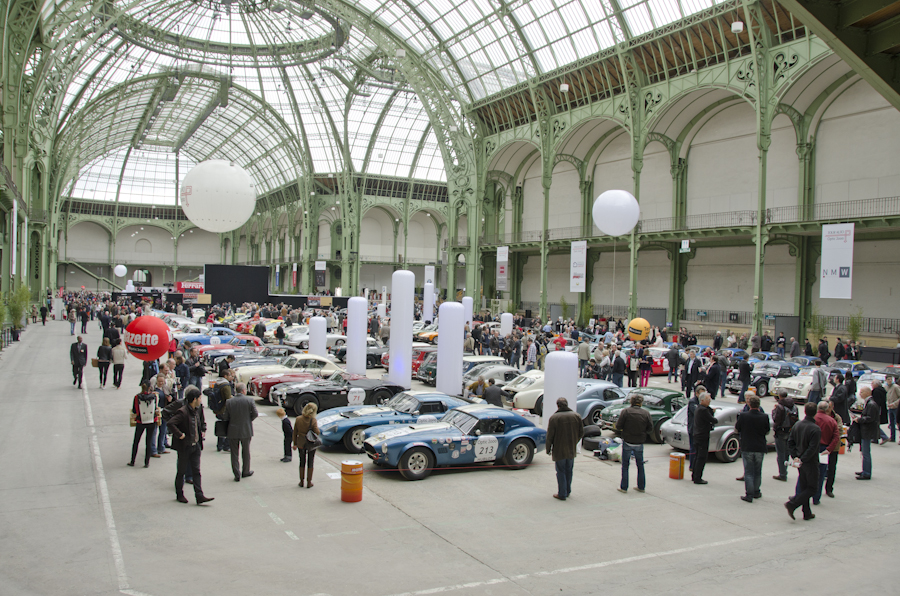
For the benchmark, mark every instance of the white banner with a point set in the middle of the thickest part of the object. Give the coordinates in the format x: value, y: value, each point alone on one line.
x: 320, y: 265
x: 429, y: 274
x: 836, y: 278
x: 503, y: 268
x: 578, y: 267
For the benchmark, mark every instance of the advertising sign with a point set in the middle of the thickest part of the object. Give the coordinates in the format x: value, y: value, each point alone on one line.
x: 503, y: 268
x: 320, y: 274
x: 836, y: 275
x: 578, y: 266
x: 429, y: 274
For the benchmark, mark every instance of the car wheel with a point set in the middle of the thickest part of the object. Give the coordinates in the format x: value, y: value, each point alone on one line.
x: 301, y: 401
x: 354, y: 438
x: 731, y: 450
x: 416, y: 464
x: 762, y: 389
x: 519, y: 454
x: 379, y: 398
x: 370, y: 363
x: 591, y: 443
x: 595, y: 415
x: 538, y: 406
x: 657, y: 431
x: 338, y: 343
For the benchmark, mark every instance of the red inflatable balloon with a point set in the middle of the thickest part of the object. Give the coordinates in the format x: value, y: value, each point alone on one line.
x: 147, y: 338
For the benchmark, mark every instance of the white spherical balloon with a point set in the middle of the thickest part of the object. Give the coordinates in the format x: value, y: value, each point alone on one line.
x: 616, y: 212
x: 120, y: 270
x: 218, y: 196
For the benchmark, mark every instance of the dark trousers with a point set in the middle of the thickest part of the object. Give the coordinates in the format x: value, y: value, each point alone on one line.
x: 84, y: 326
x: 692, y: 454
x: 43, y: 319
x: 564, y: 469
x: 617, y: 379
x: 753, y: 461
x: 831, y: 470
x: 781, y: 451
x: 701, y: 447
x: 307, y: 458
x: 806, y: 487
x: 287, y: 446
x: 118, y: 369
x: 240, y: 448
x: 77, y: 373
x: 148, y: 448
x: 188, y: 466
x: 104, y: 371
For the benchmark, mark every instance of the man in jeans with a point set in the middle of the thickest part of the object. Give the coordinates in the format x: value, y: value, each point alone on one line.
x: 784, y: 414
x: 893, y: 400
x: 531, y: 355
x: 819, y: 382
x: 564, y: 431
x: 635, y: 425
x: 869, y: 429
x: 753, y: 426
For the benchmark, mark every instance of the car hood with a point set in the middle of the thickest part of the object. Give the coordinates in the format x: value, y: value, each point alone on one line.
x: 286, y: 377
x: 434, y: 430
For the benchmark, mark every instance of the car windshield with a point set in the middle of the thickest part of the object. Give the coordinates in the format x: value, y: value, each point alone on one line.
x: 765, y: 369
x: 404, y: 402
x: 651, y: 401
x: 429, y: 328
x: 338, y: 377
x: 475, y: 371
x: 842, y: 365
x: 521, y: 382
x: 464, y: 422
x: 429, y: 359
x: 680, y: 416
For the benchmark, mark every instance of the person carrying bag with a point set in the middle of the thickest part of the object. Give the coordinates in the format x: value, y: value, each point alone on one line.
x: 306, y: 441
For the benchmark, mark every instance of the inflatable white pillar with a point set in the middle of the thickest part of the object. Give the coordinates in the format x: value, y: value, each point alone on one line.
x: 382, y: 310
x: 357, y: 311
x: 451, y: 322
x: 468, y: 303
x: 506, y: 324
x: 560, y: 380
x: 428, y: 303
x: 403, y: 284
x: 318, y: 337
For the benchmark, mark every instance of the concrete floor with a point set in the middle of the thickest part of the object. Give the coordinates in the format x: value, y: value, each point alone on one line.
x: 74, y: 519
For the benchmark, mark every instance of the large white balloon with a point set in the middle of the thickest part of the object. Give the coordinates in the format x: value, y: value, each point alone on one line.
x: 218, y: 196
x: 616, y: 212
x: 120, y: 270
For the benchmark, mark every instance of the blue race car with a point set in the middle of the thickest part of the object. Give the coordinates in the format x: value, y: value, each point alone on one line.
x: 466, y: 435
x: 595, y: 396
x: 348, y: 424
x: 765, y: 357
x: 215, y: 336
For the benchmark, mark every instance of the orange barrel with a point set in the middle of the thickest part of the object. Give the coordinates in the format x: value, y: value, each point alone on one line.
x: 351, y: 481
x: 676, y: 466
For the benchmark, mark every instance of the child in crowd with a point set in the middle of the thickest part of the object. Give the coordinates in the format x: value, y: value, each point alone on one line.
x: 288, y: 433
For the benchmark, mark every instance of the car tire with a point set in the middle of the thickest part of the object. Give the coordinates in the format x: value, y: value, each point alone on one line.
x: 353, y: 439
x: 591, y: 443
x: 379, y: 398
x: 592, y: 430
x: 593, y: 417
x: 762, y: 389
x: 519, y: 454
x: 370, y: 363
x: 538, y: 406
x: 338, y: 343
x: 731, y: 449
x: 416, y: 464
x: 302, y: 400
x: 733, y: 391
x: 657, y: 432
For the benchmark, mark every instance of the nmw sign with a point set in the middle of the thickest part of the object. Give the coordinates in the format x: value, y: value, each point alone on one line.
x: 836, y: 273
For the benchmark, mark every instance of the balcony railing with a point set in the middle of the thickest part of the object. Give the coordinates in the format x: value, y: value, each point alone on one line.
x: 883, y: 207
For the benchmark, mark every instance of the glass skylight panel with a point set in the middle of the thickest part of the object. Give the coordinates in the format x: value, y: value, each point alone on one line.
x: 664, y: 12
x: 430, y: 165
x: 638, y: 19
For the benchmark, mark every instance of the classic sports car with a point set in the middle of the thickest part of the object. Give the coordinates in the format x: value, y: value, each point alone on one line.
x: 418, y: 357
x: 846, y: 367
x: 374, y: 350
x: 427, y: 371
x: 866, y: 379
x: 234, y: 346
x: 799, y: 386
x: 466, y: 435
x: 501, y: 373
x: 293, y: 363
x: 348, y: 425
x: 763, y: 376
x: 596, y: 396
x: 262, y: 386
x: 765, y: 357
x: 806, y: 360
x: 215, y: 337
x: 428, y: 334
x: 386, y: 357
x: 301, y: 341
x: 526, y: 392
x: 724, y: 441
x: 661, y: 403
x: 339, y: 389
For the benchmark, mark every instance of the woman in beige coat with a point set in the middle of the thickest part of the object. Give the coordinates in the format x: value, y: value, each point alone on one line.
x: 302, y: 426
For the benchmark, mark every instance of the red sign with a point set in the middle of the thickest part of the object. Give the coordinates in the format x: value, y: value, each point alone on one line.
x: 147, y: 338
x: 189, y: 287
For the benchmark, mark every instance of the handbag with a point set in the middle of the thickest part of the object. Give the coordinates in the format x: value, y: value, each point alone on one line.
x: 131, y: 419
x: 313, y: 441
x: 95, y: 362
x: 221, y: 429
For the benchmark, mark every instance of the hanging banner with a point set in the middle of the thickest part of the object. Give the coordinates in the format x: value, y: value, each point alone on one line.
x: 278, y: 277
x: 836, y: 278
x: 502, y: 268
x: 294, y: 275
x: 429, y: 274
x: 320, y: 274
x: 578, y: 267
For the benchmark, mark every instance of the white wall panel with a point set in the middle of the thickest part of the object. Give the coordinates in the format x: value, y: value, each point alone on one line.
x: 779, y: 280
x: 199, y: 247
x: 611, y: 278
x: 533, y: 199
x: 782, y: 166
x: 86, y: 242
x: 653, y: 272
x: 656, y: 183
x: 720, y: 279
x: 565, y: 197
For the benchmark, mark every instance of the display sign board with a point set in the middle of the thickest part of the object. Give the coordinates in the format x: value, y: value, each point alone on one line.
x: 503, y: 268
x: 429, y: 274
x: 294, y: 276
x: 190, y: 290
x: 320, y: 274
x: 578, y: 266
x: 685, y: 246
x: 836, y: 275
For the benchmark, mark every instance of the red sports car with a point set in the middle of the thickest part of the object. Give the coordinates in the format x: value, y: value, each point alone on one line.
x: 261, y: 386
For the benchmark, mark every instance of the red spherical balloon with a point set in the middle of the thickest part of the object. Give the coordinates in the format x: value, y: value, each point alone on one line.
x: 147, y: 338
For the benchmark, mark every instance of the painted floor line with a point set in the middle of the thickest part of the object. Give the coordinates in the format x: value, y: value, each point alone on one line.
x: 338, y: 534
x: 276, y: 519
x: 291, y: 535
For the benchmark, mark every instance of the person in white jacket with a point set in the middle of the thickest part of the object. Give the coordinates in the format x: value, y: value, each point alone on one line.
x: 144, y: 409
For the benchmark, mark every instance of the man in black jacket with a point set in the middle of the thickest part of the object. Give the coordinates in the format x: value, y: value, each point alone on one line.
x: 753, y: 425
x: 839, y: 350
x: 743, y: 378
x: 713, y: 376
x: 840, y: 398
x: 635, y: 425
x: 618, y: 368
x: 784, y: 416
x: 868, y: 428
x: 691, y: 373
x: 704, y: 421
x: 493, y: 394
x: 78, y: 357
x: 693, y: 404
x: 804, y: 447
x: 188, y: 431
x: 879, y: 396
x: 824, y: 354
x: 674, y: 360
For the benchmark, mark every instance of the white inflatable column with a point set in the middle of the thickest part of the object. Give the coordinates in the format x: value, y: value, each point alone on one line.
x: 468, y: 304
x: 318, y: 337
x: 357, y: 310
x: 506, y: 324
x: 560, y: 380
x: 451, y: 322
x: 382, y: 311
x: 428, y: 303
x: 403, y: 285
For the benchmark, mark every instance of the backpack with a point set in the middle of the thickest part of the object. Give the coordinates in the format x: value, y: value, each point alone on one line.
x: 543, y: 349
x: 215, y: 401
x: 791, y: 417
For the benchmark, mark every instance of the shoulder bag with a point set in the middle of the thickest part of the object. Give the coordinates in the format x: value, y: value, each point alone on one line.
x: 313, y: 441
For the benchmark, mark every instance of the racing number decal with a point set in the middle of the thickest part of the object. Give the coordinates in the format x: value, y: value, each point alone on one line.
x: 665, y: 364
x: 214, y: 341
x: 486, y: 448
x: 356, y: 397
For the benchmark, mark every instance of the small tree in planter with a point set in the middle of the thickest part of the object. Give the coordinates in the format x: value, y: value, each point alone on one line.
x: 855, y: 324
x: 817, y: 323
x: 17, y: 302
x: 565, y: 308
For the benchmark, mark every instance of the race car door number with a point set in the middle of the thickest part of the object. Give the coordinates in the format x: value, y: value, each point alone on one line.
x: 486, y: 448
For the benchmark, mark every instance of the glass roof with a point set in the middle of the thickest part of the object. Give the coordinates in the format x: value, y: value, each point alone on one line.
x: 300, y: 79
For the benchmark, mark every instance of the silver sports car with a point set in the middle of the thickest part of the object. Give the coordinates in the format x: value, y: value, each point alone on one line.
x: 724, y: 442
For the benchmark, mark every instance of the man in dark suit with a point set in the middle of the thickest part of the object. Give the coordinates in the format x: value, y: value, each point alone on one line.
x: 240, y: 412
x: 691, y: 373
x: 803, y: 445
x: 188, y: 426
x: 493, y: 394
x: 713, y: 375
x: 744, y: 378
x: 704, y: 421
x: 78, y: 357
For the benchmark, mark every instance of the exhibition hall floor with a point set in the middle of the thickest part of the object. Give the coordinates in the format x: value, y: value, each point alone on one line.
x: 74, y: 519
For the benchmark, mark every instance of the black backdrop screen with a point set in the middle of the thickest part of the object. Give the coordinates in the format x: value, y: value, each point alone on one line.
x: 237, y: 283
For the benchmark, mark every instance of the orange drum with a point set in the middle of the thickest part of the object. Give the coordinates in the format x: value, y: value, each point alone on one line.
x: 351, y: 481
x: 676, y: 466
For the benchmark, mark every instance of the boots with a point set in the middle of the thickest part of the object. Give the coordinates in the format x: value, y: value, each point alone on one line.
x: 302, y: 471
x: 309, y: 473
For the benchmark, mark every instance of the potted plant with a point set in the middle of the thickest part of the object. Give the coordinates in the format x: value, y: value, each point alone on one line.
x: 17, y: 306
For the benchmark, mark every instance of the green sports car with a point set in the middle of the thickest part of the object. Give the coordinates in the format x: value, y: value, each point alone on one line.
x: 661, y: 403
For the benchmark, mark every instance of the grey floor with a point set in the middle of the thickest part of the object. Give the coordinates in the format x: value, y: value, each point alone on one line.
x: 74, y: 519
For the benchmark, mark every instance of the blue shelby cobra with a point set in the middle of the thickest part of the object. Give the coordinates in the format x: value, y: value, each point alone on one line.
x: 349, y: 424
x: 466, y: 435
